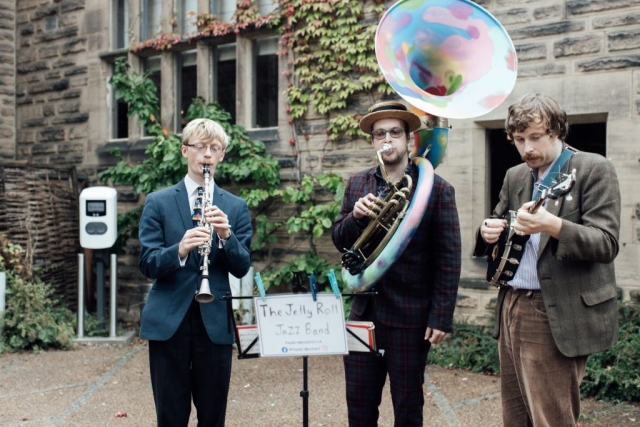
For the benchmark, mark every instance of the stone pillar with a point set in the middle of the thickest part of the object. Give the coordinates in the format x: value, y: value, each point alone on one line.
x: 7, y: 79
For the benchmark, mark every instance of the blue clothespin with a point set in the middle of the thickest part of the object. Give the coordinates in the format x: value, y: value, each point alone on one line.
x: 314, y: 288
x: 263, y: 294
x: 334, y: 283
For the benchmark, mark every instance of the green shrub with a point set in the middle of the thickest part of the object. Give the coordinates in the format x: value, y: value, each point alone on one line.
x: 32, y: 319
x: 469, y: 347
x: 614, y: 375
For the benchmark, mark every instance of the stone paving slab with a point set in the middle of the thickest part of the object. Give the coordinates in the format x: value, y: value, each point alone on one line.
x: 87, y: 386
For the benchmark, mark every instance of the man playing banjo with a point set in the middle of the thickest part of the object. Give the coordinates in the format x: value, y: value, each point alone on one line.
x: 560, y: 305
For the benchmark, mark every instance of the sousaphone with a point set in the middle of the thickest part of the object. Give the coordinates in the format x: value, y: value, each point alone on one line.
x: 447, y: 59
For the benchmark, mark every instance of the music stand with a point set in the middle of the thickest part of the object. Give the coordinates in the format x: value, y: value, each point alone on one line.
x: 244, y: 353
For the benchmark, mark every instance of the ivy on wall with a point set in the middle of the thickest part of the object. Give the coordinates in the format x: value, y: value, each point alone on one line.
x: 331, y: 46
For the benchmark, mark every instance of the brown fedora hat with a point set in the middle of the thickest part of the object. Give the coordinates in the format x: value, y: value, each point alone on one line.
x: 389, y: 110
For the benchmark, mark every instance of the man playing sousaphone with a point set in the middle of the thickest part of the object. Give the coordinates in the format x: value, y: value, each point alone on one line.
x: 416, y: 297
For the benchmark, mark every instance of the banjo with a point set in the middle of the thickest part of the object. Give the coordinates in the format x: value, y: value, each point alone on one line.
x: 510, y: 246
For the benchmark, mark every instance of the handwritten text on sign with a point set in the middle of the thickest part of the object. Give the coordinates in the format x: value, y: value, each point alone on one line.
x: 296, y: 325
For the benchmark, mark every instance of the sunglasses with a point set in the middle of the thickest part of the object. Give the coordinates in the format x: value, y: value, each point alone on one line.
x: 381, y: 133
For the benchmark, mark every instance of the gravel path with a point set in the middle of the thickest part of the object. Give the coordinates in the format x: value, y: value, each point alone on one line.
x: 88, y: 386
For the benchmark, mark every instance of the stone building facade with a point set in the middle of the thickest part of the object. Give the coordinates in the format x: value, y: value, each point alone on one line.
x: 7, y: 78
x: 56, y: 57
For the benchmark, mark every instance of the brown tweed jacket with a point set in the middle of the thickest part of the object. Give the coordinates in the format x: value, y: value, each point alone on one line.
x: 576, y: 271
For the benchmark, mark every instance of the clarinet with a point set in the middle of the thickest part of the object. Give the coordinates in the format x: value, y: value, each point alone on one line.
x: 204, y: 293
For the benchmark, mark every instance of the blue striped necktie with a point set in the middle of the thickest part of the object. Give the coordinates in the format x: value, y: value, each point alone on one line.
x: 196, y: 215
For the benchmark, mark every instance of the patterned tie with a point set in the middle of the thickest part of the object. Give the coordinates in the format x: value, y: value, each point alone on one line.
x: 196, y: 216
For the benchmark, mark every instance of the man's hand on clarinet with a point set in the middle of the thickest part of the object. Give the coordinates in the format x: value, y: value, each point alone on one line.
x: 193, y: 238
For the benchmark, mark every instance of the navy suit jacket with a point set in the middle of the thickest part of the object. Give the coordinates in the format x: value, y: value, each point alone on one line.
x: 420, y: 289
x: 165, y: 219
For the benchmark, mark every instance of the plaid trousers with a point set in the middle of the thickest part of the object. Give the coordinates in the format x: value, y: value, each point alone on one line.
x: 404, y: 360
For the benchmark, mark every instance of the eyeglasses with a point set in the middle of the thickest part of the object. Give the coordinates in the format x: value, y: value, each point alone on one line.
x: 382, y: 133
x: 201, y: 148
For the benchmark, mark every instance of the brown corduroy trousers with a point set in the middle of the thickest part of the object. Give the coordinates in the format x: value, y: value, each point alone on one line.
x: 540, y: 385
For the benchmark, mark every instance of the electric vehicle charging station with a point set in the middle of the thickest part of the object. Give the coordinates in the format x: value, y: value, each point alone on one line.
x: 99, y: 231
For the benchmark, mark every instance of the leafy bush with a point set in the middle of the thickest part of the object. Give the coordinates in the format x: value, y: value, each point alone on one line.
x: 614, y: 375
x: 469, y: 347
x: 33, y: 319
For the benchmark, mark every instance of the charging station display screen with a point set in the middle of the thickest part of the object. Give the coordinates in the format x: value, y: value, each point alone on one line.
x: 96, y: 207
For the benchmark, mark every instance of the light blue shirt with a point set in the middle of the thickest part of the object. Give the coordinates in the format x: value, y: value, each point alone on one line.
x: 526, y: 276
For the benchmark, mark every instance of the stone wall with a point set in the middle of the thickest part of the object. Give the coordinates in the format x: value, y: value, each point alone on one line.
x: 7, y: 78
x: 51, y: 82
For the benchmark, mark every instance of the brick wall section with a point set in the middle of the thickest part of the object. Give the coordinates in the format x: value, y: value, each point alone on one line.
x: 51, y: 79
x: 7, y: 78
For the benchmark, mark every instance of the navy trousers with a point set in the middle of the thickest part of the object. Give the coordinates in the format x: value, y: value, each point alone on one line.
x: 190, y: 365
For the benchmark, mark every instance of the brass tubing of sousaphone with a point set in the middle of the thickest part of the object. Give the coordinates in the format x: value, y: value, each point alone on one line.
x: 384, y: 224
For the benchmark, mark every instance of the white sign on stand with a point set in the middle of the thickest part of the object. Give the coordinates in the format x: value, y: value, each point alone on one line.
x: 296, y: 325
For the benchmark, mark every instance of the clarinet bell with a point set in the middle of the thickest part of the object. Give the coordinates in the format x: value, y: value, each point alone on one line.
x: 204, y: 293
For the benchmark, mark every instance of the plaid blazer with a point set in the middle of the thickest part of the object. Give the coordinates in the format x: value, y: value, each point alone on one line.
x: 420, y: 289
x: 576, y: 271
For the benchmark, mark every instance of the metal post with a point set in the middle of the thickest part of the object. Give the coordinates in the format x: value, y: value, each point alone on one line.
x: 114, y: 303
x: 80, y: 295
x: 100, y: 259
x: 3, y: 291
x: 305, y: 393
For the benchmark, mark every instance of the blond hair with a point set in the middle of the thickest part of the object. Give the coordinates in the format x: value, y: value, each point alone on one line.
x: 205, y: 131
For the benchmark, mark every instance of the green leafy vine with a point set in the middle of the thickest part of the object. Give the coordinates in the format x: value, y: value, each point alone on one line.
x: 331, y: 43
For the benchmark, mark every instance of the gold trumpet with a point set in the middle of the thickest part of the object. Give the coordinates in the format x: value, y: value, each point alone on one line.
x: 384, y: 218
x: 204, y: 294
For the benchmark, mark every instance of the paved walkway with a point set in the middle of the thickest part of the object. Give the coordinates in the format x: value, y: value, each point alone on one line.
x: 88, y: 386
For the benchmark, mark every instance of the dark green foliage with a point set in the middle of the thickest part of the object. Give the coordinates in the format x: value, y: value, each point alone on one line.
x: 33, y: 319
x: 469, y: 347
x: 614, y: 375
